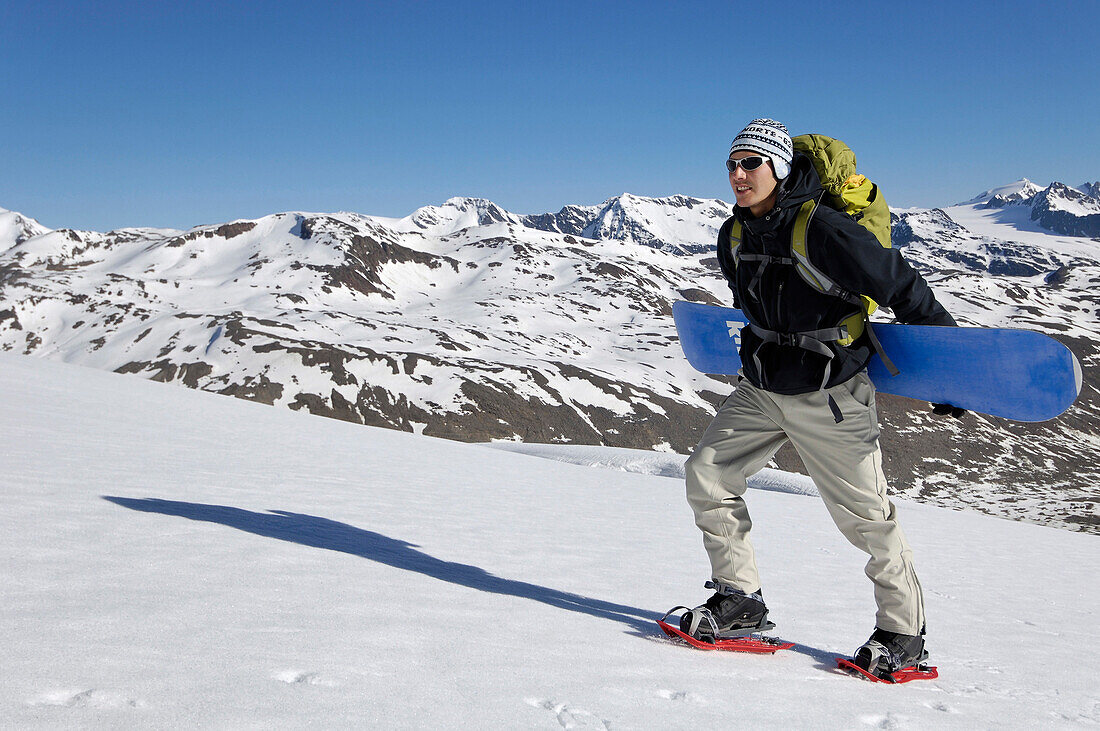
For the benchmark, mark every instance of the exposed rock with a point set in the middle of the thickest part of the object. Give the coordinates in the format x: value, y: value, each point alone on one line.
x: 1064, y: 210
x: 467, y: 322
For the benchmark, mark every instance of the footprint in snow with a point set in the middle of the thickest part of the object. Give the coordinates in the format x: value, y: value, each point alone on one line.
x: 1038, y: 628
x: 297, y: 677
x: 683, y: 696
x: 91, y: 698
x: 567, y: 716
x: 889, y: 721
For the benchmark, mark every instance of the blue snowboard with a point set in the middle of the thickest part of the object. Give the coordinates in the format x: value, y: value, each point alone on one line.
x: 1015, y: 374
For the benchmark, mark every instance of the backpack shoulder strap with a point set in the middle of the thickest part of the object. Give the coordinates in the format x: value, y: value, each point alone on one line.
x: 800, y: 251
x: 735, y: 240
x: 817, y: 278
x: 853, y: 326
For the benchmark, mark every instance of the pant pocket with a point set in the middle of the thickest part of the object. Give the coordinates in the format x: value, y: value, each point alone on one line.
x: 859, y: 393
x: 862, y: 389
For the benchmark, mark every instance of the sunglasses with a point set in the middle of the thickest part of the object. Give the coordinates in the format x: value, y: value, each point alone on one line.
x: 747, y: 163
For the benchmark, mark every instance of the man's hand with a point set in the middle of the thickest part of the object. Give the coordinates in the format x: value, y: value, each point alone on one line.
x: 948, y: 410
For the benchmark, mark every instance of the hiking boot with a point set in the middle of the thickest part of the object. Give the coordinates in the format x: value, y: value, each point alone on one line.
x: 729, y: 613
x: 887, y: 652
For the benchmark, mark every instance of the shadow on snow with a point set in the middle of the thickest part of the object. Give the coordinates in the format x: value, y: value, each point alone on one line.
x: 330, y: 535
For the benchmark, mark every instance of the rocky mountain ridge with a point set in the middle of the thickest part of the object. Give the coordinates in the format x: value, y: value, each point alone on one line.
x: 1058, y: 208
x: 469, y: 322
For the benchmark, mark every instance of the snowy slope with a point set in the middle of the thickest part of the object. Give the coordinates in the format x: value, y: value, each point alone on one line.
x: 1057, y: 208
x: 419, y: 323
x: 174, y: 559
x: 469, y: 322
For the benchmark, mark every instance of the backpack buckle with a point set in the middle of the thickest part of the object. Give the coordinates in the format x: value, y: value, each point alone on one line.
x: 789, y: 339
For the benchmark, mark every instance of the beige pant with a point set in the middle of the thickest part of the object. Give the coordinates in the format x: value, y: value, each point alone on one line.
x: 845, y: 463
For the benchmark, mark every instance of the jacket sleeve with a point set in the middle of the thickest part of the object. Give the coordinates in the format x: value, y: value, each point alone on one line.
x: 854, y: 258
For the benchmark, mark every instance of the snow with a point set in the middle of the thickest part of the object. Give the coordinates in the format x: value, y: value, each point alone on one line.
x: 565, y: 322
x: 1013, y: 223
x: 1078, y: 207
x: 15, y: 226
x: 1022, y: 188
x: 174, y: 558
x: 455, y: 215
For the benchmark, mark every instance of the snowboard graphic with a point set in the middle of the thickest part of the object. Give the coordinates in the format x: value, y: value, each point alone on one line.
x: 1015, y: 374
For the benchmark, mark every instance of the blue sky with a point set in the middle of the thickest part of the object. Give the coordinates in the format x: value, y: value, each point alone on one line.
x: 181, y: 113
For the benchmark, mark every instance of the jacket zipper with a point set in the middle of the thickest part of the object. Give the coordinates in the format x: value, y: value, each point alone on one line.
x: 778, y: 304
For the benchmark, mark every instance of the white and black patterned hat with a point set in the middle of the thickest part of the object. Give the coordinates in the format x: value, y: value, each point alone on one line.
x: 770, y: 138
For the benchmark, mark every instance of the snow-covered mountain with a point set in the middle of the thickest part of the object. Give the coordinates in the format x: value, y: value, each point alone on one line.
x: 177, y: 560
x: 1090, y: 189
x: 16, y: 228
x: 677, y: 224
x: 1002, y: 195
x: 469, y: 322
x: 457, y: 320
x: 1058, y: 207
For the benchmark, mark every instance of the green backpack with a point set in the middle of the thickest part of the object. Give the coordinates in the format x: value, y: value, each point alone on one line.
x: 848, y: 192
x: 845, y: 189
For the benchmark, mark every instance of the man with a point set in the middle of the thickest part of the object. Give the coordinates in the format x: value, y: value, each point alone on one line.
x: 800, y: 385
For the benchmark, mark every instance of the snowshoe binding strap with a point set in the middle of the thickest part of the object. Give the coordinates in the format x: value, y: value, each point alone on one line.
x: 904, y: 675
x: 695, y: 619
x: 876, y: 661
x: 746, y: 642
x: 871, y: 655
x: 728, y: 590
x: 697, y: 616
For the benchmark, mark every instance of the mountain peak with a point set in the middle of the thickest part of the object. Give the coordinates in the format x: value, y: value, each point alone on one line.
x: 1066, y: 210
x: 454, y: 215
x: 15, y: 228
x: 1018, y: 192
x: 677, y: 224
x: 1090, y: 189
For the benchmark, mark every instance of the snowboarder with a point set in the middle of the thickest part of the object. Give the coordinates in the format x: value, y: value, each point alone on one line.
x: 799, y: 385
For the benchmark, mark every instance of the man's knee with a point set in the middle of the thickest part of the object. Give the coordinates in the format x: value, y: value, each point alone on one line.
x: 697, y: 462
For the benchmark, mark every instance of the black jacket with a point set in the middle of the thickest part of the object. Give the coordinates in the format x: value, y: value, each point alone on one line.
x: 785, y: 303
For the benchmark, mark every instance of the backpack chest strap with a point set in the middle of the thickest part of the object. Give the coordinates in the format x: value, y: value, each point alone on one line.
x: 765, y: 260
x: 811, y: 340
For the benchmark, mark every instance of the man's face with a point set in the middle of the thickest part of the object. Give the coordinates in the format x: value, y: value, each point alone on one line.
x: 754, y: 189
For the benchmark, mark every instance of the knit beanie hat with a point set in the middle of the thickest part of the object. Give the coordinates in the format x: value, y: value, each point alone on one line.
x: 770, y: 138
